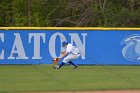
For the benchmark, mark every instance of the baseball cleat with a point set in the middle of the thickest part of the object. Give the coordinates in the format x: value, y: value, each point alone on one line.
x: 75, y: 67
x: 56, y: 67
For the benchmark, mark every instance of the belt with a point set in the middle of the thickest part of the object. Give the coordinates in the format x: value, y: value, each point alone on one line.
x: 76, y: 54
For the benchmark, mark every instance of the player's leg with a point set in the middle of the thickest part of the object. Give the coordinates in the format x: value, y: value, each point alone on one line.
x: 75, y: 66
x: 72, y: 57
x: 62, y: 64
x: 68, y: 60
x: 65, y: 60
x: 59, y: 66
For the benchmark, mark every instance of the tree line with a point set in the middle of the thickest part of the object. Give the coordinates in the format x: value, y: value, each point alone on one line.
x: 70, y: 13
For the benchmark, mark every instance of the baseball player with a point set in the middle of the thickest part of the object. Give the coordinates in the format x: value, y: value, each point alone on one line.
x: 73, y: 53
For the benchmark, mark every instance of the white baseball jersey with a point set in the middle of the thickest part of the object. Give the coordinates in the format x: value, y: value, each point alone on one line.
x: 74, y: 53
x: 72, y: 49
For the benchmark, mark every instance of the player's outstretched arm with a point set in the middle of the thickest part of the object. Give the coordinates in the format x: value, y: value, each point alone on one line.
x: 63, y: 54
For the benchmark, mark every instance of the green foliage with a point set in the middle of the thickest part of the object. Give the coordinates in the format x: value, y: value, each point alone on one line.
x: 104, y: 13
x: 19, y: 13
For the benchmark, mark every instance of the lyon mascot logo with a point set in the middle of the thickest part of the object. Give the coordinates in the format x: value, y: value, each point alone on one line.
x: 131, y: 51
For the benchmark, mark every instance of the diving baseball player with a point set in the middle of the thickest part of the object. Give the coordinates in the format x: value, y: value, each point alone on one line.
x: 73, y: 53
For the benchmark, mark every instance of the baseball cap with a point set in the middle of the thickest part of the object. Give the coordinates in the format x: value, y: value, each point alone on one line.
x: 64, y: 43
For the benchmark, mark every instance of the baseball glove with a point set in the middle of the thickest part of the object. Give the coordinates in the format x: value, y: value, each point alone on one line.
x: 56, y: 60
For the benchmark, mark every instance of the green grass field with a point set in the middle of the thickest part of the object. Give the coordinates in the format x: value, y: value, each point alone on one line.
x: 19, y: 78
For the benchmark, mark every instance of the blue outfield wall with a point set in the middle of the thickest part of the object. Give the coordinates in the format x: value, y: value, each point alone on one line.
x: 118, y: 47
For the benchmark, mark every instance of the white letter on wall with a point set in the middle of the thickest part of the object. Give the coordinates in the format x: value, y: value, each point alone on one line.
x: 75, y: 38
x: 18, y: 48
x: 52, y: 43
x: 2, y: 52
x: 37, y: 37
